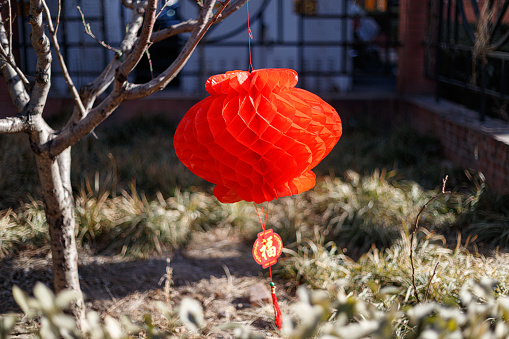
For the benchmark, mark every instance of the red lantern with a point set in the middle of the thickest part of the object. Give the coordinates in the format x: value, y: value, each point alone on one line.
x: 256, y: 136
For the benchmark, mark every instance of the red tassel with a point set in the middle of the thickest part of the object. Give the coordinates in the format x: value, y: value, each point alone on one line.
x: 277, y: 310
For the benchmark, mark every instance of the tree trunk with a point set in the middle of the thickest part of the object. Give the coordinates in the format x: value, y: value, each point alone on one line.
x: 59, y: 206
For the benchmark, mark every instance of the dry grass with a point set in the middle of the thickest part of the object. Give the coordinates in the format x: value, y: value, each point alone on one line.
x: 439, y: 271
x: 23, y: 229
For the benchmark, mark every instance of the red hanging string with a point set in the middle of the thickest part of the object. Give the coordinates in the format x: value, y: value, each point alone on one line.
x: 250, y: 36
x: 263, y: 217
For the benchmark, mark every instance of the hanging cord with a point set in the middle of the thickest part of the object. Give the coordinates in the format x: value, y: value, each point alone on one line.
x: 277, y: 311
x: 262, y: 217
x: 250, y: 37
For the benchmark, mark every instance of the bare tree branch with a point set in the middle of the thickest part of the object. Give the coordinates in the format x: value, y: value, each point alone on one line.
x: 204, y: 22
x: 12, y: 125
x: 6, y: 52
x: 232, y: 7
x: 41, y: 45
x: 132, y: 29
x: 166, y: 2
x: 123, y: 90
x: 74, y: 132
x: 141, y: 45
x: 91, y: 91
x: 61, y: 61
x: 10, y: 27
x: 17, y: 91
x: 15, y: 79
x: 189, y: 26
x: 128, y: 3
x: 59, y: 12
x: 88, y: 30
x: 6, y: 59
x: 183, y: 27
x: 52, y: 148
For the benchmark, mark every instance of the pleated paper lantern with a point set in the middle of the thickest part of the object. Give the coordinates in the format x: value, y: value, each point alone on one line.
x: 256, y: 136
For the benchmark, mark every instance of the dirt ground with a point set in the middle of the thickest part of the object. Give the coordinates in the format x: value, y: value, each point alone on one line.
x: 216, y: 269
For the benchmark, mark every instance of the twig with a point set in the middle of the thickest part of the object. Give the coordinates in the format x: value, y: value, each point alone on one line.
x: 168, y: 282
x: 10, y: 28
x: 88, y: 30
x: 416, y: 294
x: 162, y: 8
x: 203, y: 25
x: 182, y: 27
x: 189, y: 25
x: 61, y: 61
x: 115, y: 306
x: 150, y: 64
x: 429, y: 282
x: 6, y: 55
x: 429, y: 201
x: 59, y: 12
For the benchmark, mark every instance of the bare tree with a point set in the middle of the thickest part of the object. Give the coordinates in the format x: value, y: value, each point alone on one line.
x: 51, y: 147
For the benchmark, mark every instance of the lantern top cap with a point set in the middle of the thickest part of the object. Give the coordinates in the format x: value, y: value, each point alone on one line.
x: 271, y: 79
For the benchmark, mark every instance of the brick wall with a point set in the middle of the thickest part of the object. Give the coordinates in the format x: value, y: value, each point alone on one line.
x: 464, y: 140
x: 483, y: 147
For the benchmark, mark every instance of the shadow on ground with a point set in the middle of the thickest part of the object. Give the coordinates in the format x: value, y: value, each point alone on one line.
x: 113, y: 277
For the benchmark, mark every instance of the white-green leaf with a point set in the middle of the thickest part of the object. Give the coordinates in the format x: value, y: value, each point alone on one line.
x: 191, y: 314
x: 6, y: 324
x: 359, y: 330
x: 113, y: 327
x: 22, y: 300
x: 64, y: 321
x: 45, y: 297
x: 46, y: 329
x: 65, y: 298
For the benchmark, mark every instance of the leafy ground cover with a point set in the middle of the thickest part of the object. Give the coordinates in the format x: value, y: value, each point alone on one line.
x: 136, y: 206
